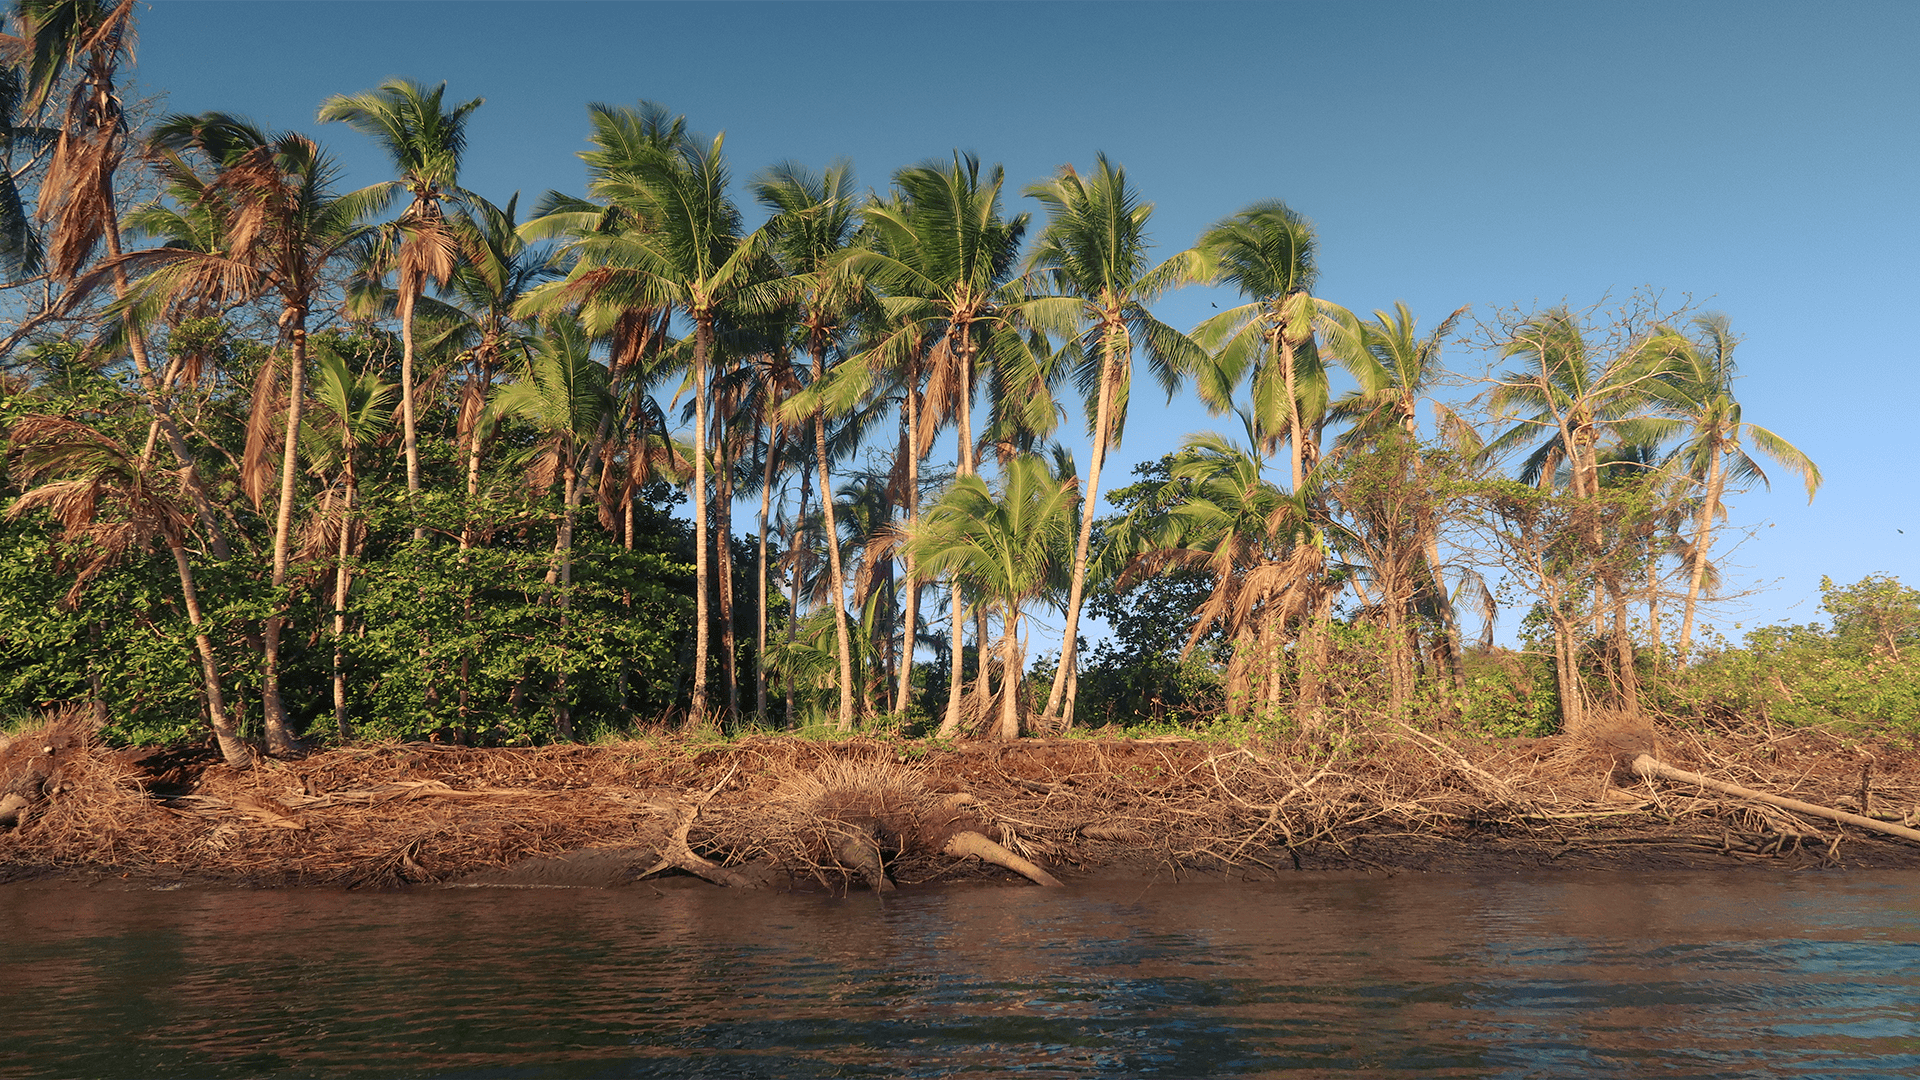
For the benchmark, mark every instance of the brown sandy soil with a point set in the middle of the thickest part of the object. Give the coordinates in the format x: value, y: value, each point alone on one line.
x: 787, y: 812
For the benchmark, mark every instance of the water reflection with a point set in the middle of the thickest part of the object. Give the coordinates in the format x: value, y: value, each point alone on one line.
x: 1671, y: 975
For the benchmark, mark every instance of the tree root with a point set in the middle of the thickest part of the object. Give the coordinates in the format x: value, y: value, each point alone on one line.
x: 968, y: 843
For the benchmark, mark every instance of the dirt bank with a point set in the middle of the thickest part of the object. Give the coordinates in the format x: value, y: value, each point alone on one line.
x: 786, y: 812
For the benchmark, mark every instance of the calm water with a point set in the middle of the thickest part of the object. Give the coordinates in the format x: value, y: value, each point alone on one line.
x: 1555, y: 976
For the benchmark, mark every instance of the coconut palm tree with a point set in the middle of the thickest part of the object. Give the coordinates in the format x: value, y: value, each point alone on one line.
x: 497, y: 269
x: 1220, y: 515
x: 564, y: 397
x: 1281, y: 339
x: 105, y: 497
x: 352, y: 410
x: 1714, y: 437
x: 663, y: 234
x: 1009, y: 541
x: 282, y: 231
x: 815, y: 216
x: 425, y: 139
x: 942, y: 252
x: 1092, y: 258
x: 89, y: 40
x: 1408, y: 370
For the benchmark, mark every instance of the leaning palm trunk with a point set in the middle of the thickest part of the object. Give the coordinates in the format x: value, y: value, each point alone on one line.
x: 233, y: 749
x: 280, y: 738
x: 158, y: 401
x: 1102, y: 434
x: 1702, y: 540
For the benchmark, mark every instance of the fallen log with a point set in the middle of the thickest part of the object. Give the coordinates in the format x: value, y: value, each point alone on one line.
x: 1649, y: 766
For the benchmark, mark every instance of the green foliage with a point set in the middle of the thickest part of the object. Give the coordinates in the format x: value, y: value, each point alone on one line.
x: 473, y: 641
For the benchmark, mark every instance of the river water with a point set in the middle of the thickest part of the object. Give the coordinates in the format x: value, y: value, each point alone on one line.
x: 1566, y: 975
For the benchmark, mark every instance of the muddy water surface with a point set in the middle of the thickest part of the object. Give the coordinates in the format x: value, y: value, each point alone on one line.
x: 1705, y: 974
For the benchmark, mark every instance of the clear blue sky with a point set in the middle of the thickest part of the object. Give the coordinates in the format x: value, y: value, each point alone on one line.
x: 1759, y: 157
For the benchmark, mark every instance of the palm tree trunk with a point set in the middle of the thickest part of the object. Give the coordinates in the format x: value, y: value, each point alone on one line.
x: 233, y: 749
x: 723, y: 572
x: 408, y: 433
x: 702, y: 341
x: 157, y: 400
x: 956, y: 683
x: 341, y: 580
x: 562, y: 712
x: 1295, y: 452
x: 1010, y: 675
x: 983, y: 683
x: 760, y: 598
x: 1702, y: 542
x: 793, y: 587
x: 842, y: 638
x: 280, y: 738
x: 1102, y: 434
x: 910, y: 603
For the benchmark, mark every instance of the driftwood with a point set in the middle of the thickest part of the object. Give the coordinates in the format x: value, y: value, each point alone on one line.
x: 1648, y: 766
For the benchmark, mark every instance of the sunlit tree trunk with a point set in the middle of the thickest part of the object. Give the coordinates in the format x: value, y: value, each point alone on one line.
x: 280, y: 738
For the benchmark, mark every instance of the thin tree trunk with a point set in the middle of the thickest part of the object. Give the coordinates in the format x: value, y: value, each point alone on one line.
x: 280, y: 738
x: 233, y: 749
x: 983, y: 684
x: 562, y: 712
x: 157, y: 400
x: 1295, y: 452
x: 956, y: 683
x: 702, y: 340
x: 723, y: 571
x: 1102, y: 434
x: 760, y: 598
x: 408, y: 433
x: 1702, y: 541
x: 842, y: 638
x: 910, y: 603
x: 341, y: 581
x: 793, y: 589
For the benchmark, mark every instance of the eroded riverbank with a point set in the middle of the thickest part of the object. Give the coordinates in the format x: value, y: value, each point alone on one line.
x: 803, y: 814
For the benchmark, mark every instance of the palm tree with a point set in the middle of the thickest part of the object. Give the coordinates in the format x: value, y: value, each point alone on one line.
x: 282, y: 230
x: 565, y: 398
x: 665, y: 235
x: 1409, y: 369
x: 1092, y: 255
x: 1009, y: 542
x: 1712, y: 450
x: 815, y: 217
x: 104, y: 496
x: 1220, y: 515
x: 942, y: 252
x: 89, y: 40
x: 424, y: 139
x: 353, y: 410
x: 1276, y: 338
x: 1580, y: 394
x: 497, y: 270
